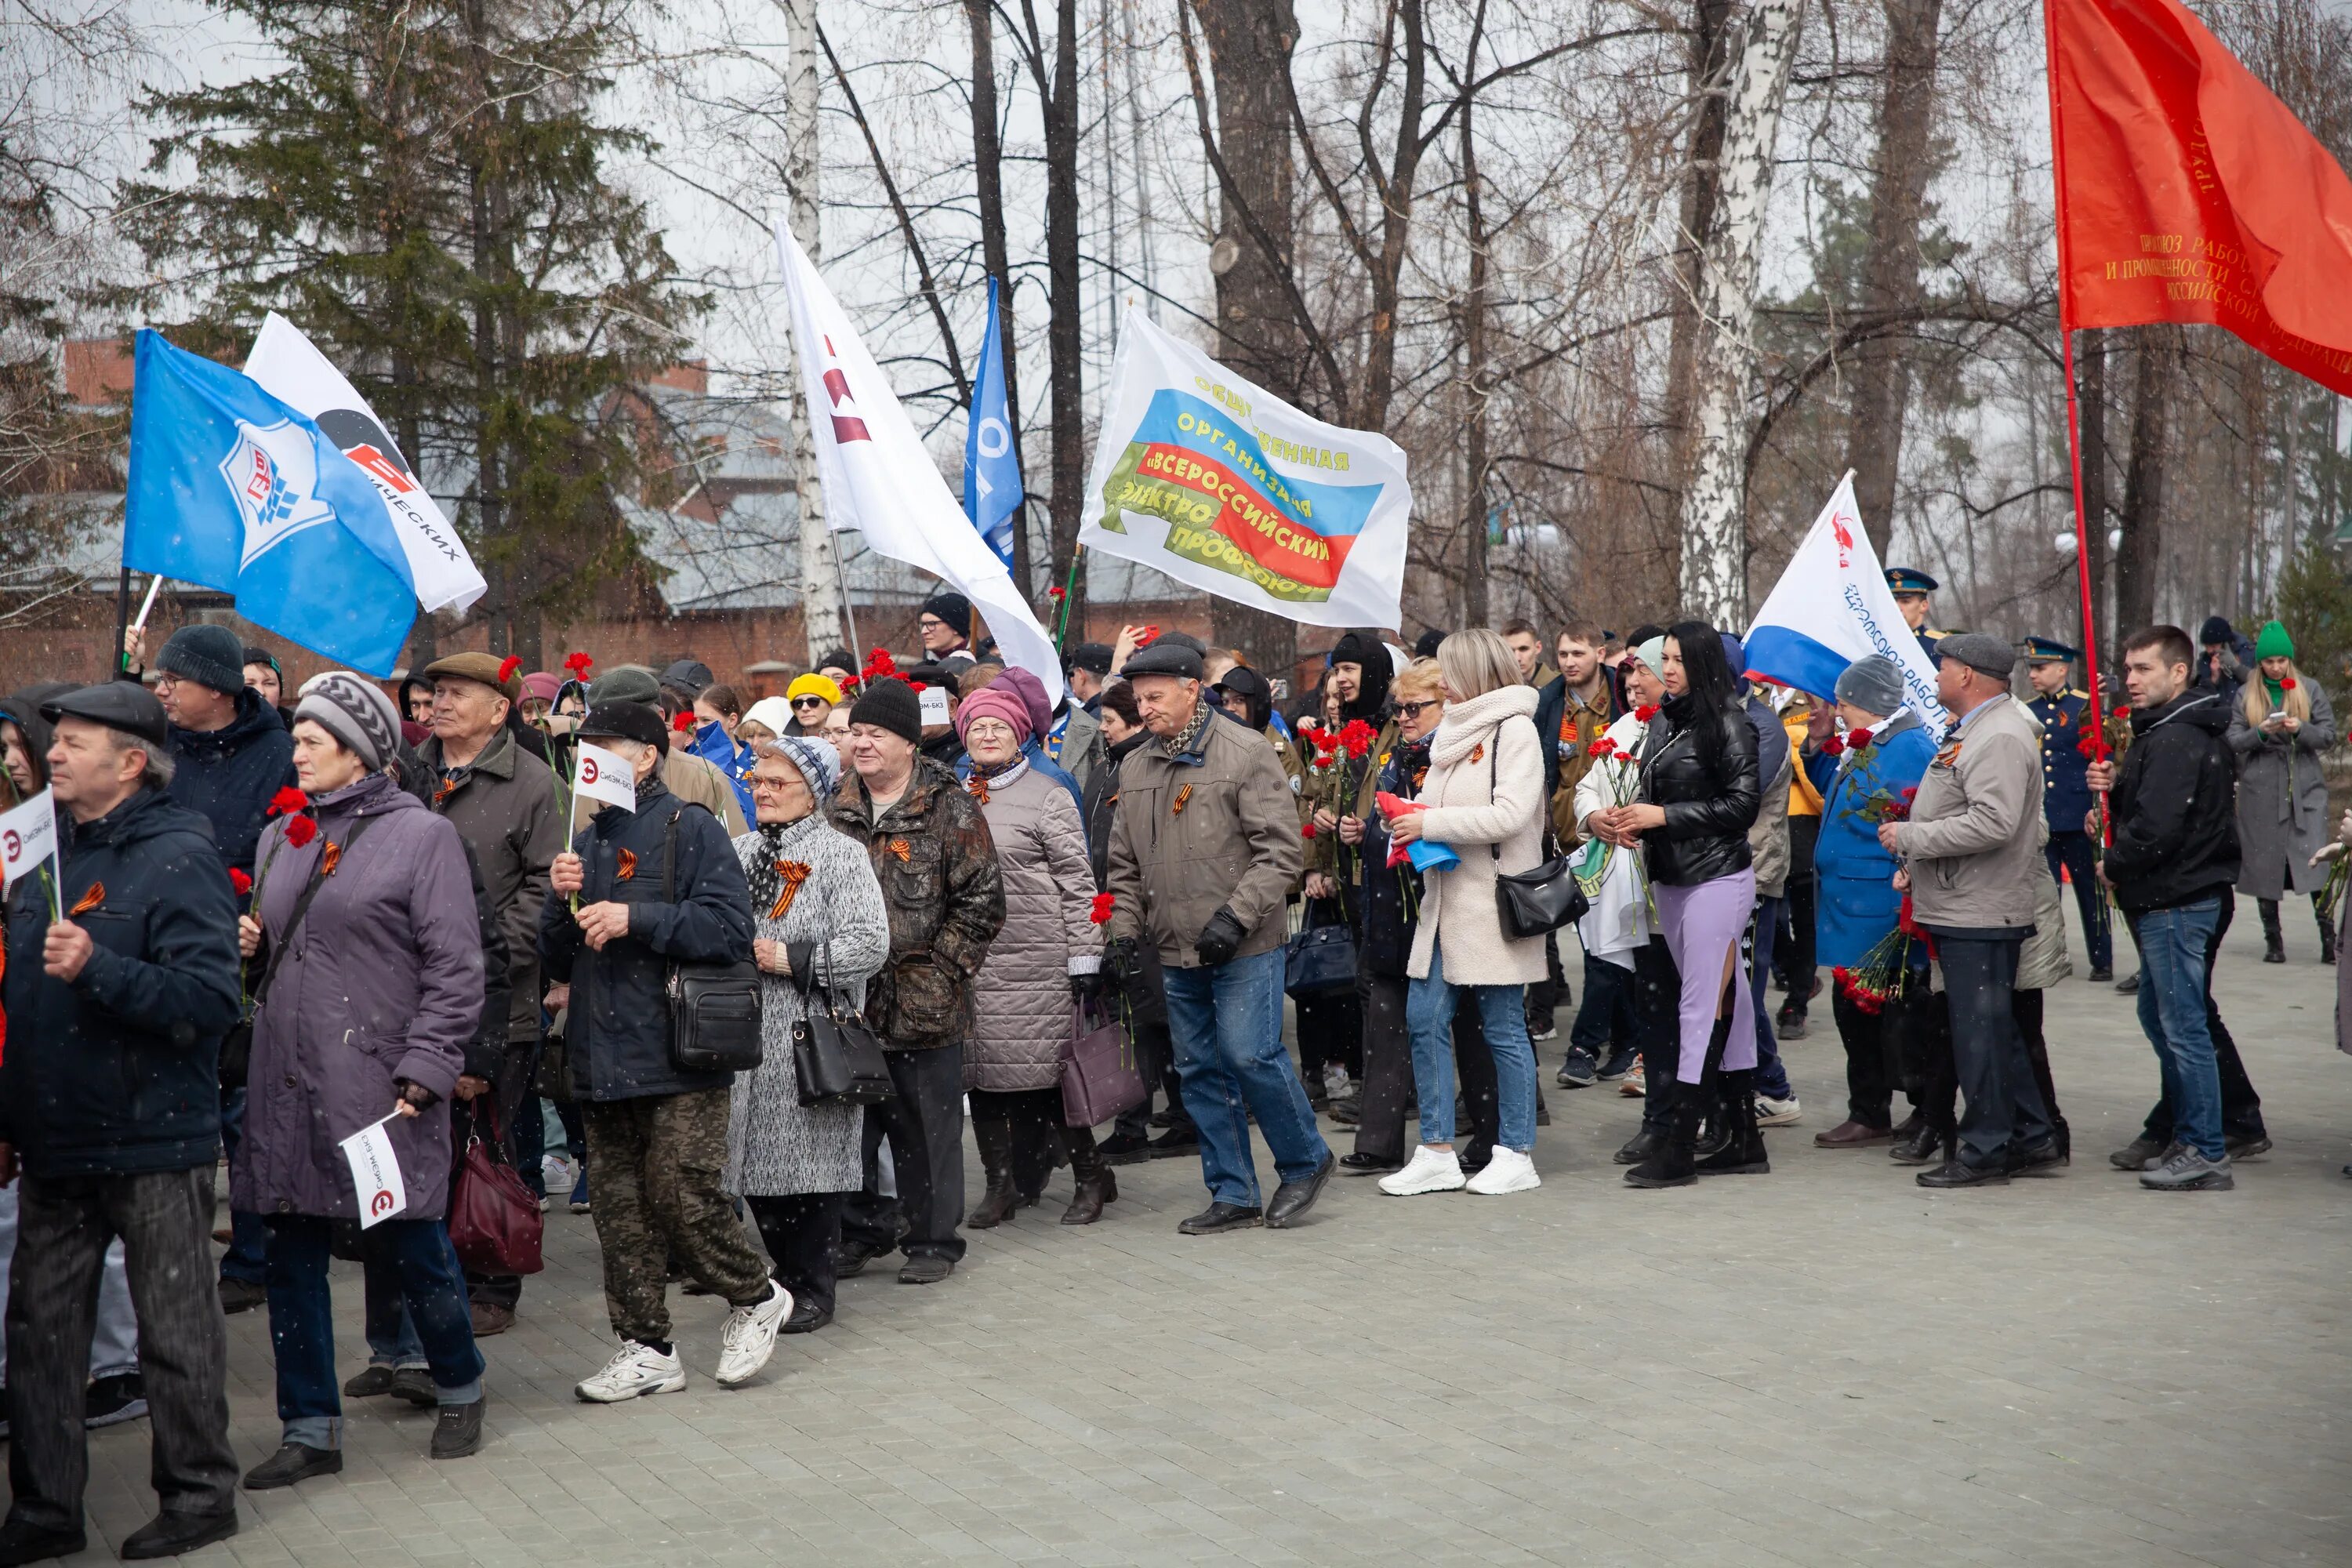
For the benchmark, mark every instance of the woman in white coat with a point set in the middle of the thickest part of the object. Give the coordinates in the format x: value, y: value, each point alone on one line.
x: 1483, y: 798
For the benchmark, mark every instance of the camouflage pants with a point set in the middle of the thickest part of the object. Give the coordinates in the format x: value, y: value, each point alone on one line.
x: 656, y: 1164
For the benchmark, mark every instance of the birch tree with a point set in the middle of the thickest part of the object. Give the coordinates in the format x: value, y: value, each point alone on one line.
x: 1713, y: 520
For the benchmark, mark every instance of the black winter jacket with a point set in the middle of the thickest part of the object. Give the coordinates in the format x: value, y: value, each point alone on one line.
x: 2176, y: 806
x: 227, y: 775
x: 119, y: 1072
x: 618, y: 1031
x: 1707, y: 815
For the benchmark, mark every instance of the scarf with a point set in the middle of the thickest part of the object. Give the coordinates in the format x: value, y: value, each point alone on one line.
x: 776, y: 878
x: 1176, y: 745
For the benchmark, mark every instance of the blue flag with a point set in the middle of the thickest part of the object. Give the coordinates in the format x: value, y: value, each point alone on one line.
x: 992, y: 469
x: 233, y: 490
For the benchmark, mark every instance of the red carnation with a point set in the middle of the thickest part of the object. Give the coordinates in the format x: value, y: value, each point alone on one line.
x: 1646, y: 712
x: 507, y: 666
x: 2287, y: 683
x: 239, y: 882
x: 918, y: 685
x: 684, y: 723
x: 288, y: 799
x: 1100, y: 911
x: 879, y: 663
x: 578, y: 664
x: 1357, y: 737
x: 1056, y: 592
x: 300, y: 830
x: 1306, y: 830
x: 1603, y: 747
x: 2122, y: 712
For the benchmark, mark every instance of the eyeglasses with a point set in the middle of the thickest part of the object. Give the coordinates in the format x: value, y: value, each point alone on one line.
x: 808, y: 701
x: 759, y: 782
x: 1412, y: 709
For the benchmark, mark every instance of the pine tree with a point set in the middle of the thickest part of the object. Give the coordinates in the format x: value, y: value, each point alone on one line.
x: 422, y: 187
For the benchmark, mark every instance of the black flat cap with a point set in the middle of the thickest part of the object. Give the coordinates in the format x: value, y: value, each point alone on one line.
x: 118, y: 705
x: 629, y: 720
x: 1165, y: 657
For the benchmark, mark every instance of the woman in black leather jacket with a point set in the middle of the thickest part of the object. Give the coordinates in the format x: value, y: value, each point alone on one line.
x: 1697, y: 797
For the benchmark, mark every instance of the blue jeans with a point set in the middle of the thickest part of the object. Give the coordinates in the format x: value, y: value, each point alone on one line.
x: 2173, y: 944
x: 1429, y: 1016
x: 1226, y: 1023
x: 248, y: 1243
x: 391, y: 1332
x: 301, y: 1317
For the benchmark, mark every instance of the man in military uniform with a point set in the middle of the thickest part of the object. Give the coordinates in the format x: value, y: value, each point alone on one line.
x: 2065, y: 710
x: 1911, y: 587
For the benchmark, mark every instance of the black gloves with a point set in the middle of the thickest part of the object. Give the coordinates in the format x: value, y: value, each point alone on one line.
x: 801, y: 957
x: 1085, y: 988
x: 417, y: 1094
x: 1221, y: 938
x: 1119, y: 961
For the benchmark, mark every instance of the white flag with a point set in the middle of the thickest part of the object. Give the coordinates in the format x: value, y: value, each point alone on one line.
x: 290, y: 368
x: 879, y: 479
x: 28, y: 836
x: 375, y: 1174
x: 1832, y: 607
x: 1222, y: 485
x: 606, y: 776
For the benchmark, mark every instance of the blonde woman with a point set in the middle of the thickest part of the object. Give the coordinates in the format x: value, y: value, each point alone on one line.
x: 2282, y: 728
x: 1484, y: 797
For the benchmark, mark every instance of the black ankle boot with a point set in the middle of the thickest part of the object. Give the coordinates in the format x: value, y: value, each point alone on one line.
x: 995, y: 1136
x: 1742, y: 1150
x: 2273, y: 943
x: 1677, y: 1163
x: 1645, y: 1142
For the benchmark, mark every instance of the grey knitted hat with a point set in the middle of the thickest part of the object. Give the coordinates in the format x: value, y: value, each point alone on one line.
x: 354, y: 711
x: 1874, y: 684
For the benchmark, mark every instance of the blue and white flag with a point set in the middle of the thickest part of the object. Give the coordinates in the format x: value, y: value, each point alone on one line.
x: 992, y: 469
x: 1832, y: 607
x: 234, y: 491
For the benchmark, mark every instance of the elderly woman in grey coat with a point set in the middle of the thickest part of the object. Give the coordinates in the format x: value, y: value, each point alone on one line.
x: 1045, y: 959
x: 367, y: 1010
x: 820, y: 931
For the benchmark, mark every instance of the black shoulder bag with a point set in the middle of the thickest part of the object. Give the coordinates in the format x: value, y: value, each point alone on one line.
x: 836, y: 1060
x: 236, y: 1046
x: 714, y: 1006
x: 1535, y: 902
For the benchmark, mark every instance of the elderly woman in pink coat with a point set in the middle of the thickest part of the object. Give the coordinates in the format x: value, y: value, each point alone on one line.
x: 1043, y: 963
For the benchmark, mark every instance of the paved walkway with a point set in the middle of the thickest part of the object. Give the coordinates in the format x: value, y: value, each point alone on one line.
x: 1827, y: 1366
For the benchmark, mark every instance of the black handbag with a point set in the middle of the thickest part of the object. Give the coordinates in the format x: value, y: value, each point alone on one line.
x: 836, y: 1060
x: 714, y: 1006
x: 1320, y: 959
x: 236, y: 1046
x: 1535, y: 902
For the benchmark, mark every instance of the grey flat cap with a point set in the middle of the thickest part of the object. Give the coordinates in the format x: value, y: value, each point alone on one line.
x: 1981, y: 651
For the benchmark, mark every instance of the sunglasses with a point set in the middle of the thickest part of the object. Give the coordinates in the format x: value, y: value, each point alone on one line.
x: 1412, y: 709
x: 808, y: 701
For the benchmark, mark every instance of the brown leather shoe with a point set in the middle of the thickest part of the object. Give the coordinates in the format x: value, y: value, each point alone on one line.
x: 1851, y: 1135
x: 490, y: 1318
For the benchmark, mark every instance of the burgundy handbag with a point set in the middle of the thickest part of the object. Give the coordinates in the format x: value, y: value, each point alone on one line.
x: 1099, y: 1076
x: 494, y: 1220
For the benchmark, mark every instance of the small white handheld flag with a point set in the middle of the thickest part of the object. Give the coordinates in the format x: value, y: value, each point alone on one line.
x: 606, y: 776
x: 28, y: 836
x: 375, y: 1174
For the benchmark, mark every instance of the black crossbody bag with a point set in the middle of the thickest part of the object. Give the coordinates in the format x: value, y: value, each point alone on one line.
x: 1534, y: 903
x: 236, y: 1046
x: 714, y: 1006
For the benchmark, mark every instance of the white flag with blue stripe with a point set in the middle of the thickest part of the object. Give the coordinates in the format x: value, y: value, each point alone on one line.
x: 1832, y: 607
x: 234, y: 491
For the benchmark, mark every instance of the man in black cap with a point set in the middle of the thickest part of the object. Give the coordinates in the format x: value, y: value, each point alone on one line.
x: 110, y: 1104
x: 1089, y: 672
x: 945, y: 625
x: 2064, y: 711
x: 231, y: 755
x: 1204, y: 851
x: 2224, y: 655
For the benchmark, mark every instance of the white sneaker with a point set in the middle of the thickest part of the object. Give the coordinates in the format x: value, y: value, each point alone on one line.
x: 749, y: 1336
x: 636, y: 1369
x: 1508, y: 1171
x: 1770, y: 1112
x: 1430, y: 1170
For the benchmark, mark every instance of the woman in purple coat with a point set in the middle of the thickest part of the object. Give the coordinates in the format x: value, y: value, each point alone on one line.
x: 369, y: 1003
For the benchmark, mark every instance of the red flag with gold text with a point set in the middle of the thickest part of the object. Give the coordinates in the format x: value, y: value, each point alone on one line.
x: 2187, y: 191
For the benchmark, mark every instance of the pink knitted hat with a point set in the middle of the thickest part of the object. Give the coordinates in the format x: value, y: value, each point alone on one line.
x: 994, y: 702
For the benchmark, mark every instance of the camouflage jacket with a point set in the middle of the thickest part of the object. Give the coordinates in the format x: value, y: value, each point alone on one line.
x: 937, y: 864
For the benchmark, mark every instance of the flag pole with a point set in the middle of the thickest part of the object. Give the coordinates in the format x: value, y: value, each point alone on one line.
x: 121, y: 661
x: 2073, y: 414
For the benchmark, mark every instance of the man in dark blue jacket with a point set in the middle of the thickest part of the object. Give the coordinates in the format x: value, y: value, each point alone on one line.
x: 230, y: 753
x: 110, y: 1104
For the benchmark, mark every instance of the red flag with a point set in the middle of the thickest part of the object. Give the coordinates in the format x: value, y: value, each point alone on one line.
x: 2187, y: 191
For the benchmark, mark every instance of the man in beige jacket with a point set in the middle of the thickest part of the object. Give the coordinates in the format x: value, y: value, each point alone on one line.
x: 1969, y: 853
x: 1204, y: 851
